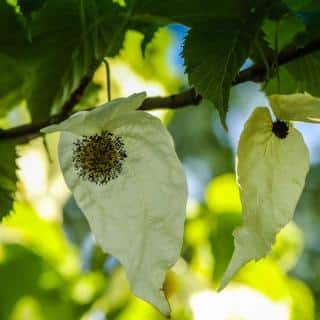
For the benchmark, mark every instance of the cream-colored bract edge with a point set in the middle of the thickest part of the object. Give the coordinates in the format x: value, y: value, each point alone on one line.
x: 139, y: 216
x: 296, y: 107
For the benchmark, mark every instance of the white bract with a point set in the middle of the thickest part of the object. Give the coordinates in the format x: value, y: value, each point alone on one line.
x: 134, y: 196
x: 271, y: 172
x: 296, y: 107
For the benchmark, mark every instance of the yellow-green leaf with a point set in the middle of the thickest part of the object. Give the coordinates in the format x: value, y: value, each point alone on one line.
x: 271, y: 174
x: 296, y: 107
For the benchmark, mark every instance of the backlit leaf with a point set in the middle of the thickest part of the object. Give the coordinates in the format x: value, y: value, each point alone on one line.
x: 288, y: 28
x: 306, y: 73
x: 10, y: 84
x: 65, y: 40
x: 213, y: 59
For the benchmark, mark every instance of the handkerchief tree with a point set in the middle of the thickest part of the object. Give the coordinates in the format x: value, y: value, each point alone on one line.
x: 119, y: 161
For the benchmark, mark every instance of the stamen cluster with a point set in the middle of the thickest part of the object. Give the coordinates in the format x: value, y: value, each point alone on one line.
x: 99, y: 158
x: 280, y: 129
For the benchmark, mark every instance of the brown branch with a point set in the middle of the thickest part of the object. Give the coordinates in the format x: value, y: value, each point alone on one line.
x: 175, y: 101
x: 256, y: 73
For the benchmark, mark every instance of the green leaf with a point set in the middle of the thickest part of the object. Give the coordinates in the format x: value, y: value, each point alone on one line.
x: 28, y: 6
x: 296, y: 4
x: 185, y: 12
x: 13, y: 39
x: 8, y: 177
x: 149, y: 32
x: 213, y: 60
x: 288, y: 84
x: 300, y: 75
x: 147, y: 16
x: 306, y: 72
x: 288, y: 28
x: 296, y: 107
x: 12, y: 32
x: 137, y: 216
x: 68, y: 38
x: 11, y: 84
x: 270, y: 186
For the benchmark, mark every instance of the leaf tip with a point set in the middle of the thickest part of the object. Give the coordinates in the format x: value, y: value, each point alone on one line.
x: 223, y: 119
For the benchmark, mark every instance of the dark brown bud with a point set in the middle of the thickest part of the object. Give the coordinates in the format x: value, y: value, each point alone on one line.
x: 280, y: 129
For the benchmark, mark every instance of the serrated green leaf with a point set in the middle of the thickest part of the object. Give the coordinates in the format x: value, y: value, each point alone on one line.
x: 296, y: 107
x: 138, y: 217
x: 270, y: 186
x: 11, y: 84
x: 149, y: 33
x: 306, y: 72
x: 288, y: 84
x: 147, y: 16
x: 288, y: 28
x: 300, y: 75
x: 213, y: 61
x: 66, y: 40
x: 260, y: 49
x: 8, y: 177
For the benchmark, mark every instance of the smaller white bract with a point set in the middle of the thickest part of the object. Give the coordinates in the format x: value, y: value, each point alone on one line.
x: 272, y: 164
x: 121, y: 166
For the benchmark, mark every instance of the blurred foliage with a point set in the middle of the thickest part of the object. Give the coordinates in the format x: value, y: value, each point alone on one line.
x: 40, y: 270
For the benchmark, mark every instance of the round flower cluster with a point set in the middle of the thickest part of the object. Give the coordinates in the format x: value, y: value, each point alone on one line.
x: 99, y: 158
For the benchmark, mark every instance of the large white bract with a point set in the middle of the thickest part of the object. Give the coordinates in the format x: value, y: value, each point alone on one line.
x: 121, y: 166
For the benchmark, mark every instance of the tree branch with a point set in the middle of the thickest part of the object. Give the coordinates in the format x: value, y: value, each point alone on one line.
x: 256, y: 73
x: 175, y: 101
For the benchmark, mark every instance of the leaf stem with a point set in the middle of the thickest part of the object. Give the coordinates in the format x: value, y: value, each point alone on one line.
x: 276, y: 62
x: 265, y: 62
x: 108, y: 79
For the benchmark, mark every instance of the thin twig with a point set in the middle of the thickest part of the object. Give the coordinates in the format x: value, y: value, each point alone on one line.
x: 108, y: 79
x: 276, y: 62
x: 175, y: 101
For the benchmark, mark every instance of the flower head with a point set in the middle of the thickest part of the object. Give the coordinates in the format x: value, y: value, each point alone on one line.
x: 99, y: 158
